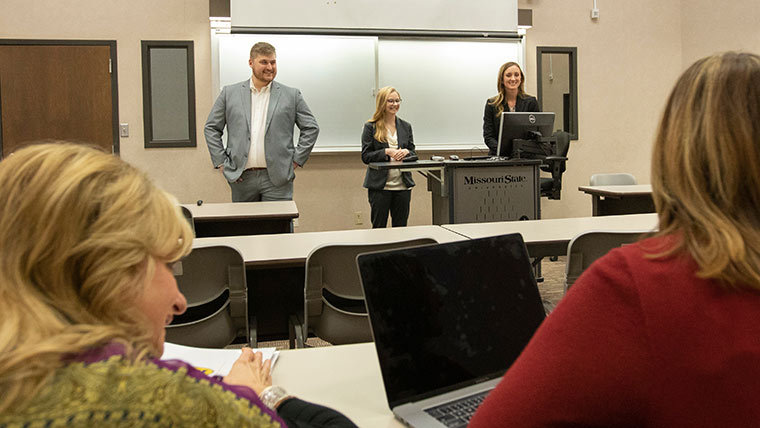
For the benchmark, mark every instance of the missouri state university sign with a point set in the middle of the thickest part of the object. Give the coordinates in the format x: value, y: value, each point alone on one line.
x: 470, y: 180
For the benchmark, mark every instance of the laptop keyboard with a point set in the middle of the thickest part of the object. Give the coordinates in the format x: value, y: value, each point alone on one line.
x: 457, y: 413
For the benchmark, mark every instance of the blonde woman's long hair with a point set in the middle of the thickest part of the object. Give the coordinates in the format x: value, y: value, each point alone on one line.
x: 706, y: 168
x: 381, y: 132
x: 80, y: 233
x: 499, y: 99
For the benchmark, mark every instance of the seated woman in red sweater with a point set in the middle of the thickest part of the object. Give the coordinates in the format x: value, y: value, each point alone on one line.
x: 665, y: 332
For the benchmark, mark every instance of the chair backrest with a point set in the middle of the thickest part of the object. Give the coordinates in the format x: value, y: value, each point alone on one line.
x: 586, y: 247
x: 563, y: 143
x: 331, y: 270
x: 614, y: 179
x: 214, y: 275
x: 188, y: 216
x: 206, y: 272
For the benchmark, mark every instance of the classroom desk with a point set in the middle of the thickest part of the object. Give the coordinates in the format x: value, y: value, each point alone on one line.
x: 346, y: 378
x: 243, y: 218
x: 275, y: 266
x: 275, y: 263
x: 283, y: 250
x: 621, y: 199
x: 550, y: 237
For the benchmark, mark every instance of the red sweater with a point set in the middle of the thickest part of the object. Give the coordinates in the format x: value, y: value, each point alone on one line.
x: 637, y: 342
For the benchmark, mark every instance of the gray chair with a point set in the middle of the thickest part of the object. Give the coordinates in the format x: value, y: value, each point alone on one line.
x: 585, y: 248
x: 214, y: 284
x: 615, y: 179
x: 188, y: 216
x: 334, y: 307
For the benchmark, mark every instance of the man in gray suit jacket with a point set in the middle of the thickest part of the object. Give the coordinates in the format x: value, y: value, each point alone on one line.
x: 260, y: 158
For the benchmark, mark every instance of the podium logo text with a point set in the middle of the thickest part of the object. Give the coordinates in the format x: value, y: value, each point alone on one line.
x: 505, y: 179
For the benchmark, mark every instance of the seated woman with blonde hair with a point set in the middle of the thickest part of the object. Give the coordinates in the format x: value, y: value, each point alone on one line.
x: 664, y: 332
x: 86, y: 290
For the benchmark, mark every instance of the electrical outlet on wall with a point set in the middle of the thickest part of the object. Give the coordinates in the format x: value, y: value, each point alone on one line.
x: 358, y: 218
x: 594, y: 13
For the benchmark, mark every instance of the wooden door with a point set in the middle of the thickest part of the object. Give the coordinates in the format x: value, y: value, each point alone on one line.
x: 61, y: 92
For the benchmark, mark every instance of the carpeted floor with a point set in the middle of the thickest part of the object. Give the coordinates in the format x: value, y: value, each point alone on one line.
x: 551, y: 289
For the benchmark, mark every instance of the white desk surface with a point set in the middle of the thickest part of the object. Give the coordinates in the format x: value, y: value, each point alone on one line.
x: 231, y: 210
x: 346, y: 378
x: 621, y: 190
x: 556, y: 230
x: 293, y: 248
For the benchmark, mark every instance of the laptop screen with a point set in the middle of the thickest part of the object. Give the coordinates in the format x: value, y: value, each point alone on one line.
x: 446, y: 316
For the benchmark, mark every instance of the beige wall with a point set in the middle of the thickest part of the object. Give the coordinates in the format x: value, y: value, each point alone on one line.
x: 710, y: 27
x: 627, y: 61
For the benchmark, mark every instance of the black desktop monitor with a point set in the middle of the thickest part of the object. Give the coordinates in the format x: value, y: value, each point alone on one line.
x: 522, y: 125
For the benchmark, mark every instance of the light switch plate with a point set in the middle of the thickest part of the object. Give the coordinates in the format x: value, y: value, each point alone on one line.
x: 124, y: 129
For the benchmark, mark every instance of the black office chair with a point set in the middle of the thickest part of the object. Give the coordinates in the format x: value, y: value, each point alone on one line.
x: 552, y: 152
x: 555, y: 164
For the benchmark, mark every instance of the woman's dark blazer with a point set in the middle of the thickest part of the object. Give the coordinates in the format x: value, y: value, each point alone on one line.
x: 374, y: 151
x: 491, y: 122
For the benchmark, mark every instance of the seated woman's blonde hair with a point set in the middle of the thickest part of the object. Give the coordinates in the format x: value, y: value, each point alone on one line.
x: 80, y: 234
x: 706, y: 167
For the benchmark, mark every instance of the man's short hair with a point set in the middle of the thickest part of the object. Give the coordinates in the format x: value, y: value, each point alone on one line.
x: 262, y: 48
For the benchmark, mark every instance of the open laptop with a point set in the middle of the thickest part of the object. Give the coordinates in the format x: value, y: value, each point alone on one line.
x: 448, y: 320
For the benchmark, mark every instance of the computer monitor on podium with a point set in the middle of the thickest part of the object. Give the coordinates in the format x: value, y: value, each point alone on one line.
x: 522, y: 125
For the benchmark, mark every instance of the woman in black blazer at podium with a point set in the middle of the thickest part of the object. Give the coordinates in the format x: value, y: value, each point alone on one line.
x: 511, y: 97
x: 385, y: 138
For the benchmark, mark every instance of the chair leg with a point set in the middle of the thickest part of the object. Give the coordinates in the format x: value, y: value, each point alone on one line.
x: 296, y: 337
x: 252, y: 339
x: 536, y: 263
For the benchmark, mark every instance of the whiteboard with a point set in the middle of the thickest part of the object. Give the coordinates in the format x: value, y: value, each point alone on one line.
x: 336, y: 76
x: 444, y: 83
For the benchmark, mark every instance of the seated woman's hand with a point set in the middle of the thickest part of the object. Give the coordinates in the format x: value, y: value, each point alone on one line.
x: 249, y: 370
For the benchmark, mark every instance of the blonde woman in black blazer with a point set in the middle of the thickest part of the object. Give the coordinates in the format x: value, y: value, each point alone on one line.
x: 387, y: 138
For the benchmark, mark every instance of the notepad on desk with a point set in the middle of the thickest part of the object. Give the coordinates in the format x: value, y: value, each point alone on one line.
x: 212, y: 362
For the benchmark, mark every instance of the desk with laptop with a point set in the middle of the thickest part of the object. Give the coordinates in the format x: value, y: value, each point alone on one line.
x: 280, y: 259
x: 461, y: 314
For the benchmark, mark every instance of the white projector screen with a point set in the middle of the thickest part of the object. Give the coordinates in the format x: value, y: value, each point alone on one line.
x: 444, y: 83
